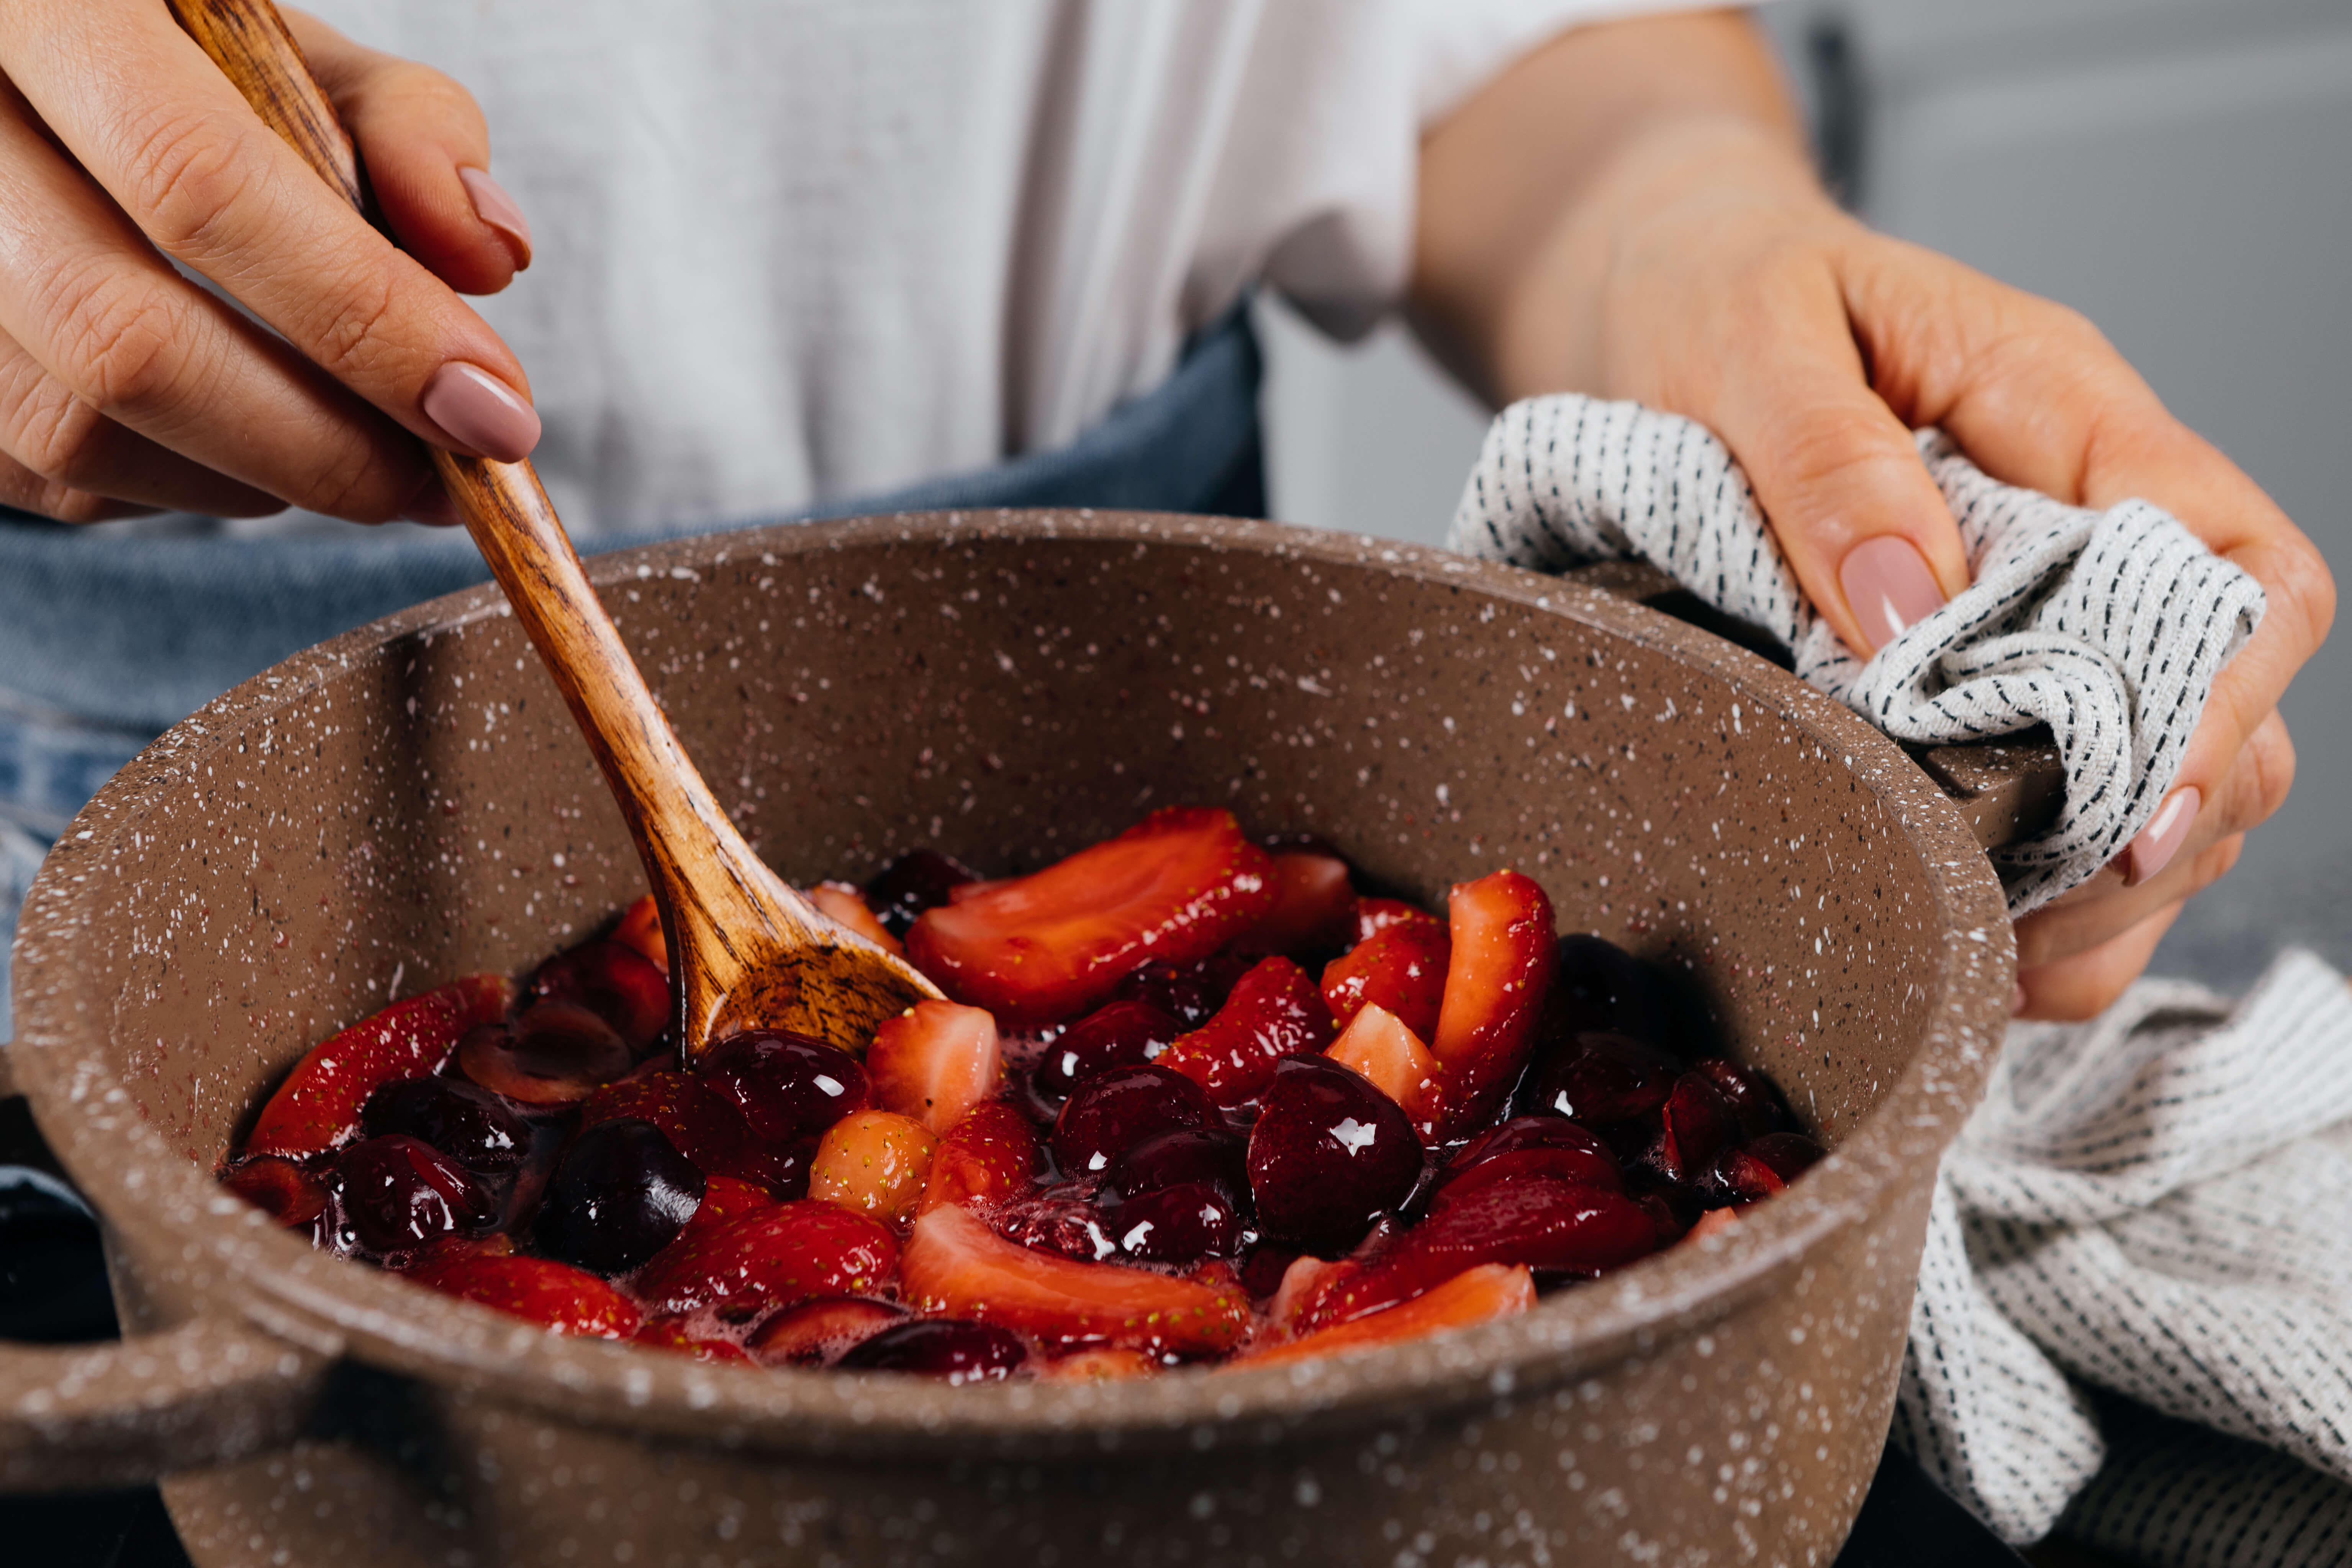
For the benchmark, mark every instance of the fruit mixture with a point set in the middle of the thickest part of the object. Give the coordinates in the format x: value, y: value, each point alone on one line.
x: 1197, y: 1099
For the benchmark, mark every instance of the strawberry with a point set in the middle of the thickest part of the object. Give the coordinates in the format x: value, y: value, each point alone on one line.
x: 556, y: 1296
x: 613, y: 981
x: 843, y: 904
x: 640, y: 928
x: 934, y: 1062
x: 1373, y: 916
x: 1038, y: 949
x: 1766, y: 1165
x: 1476, y: 1295
x: 873, y: 1163
x: 1313, y: 906
x: 1556, y: 1226
x: 818, y: 1331
x: 985, y: 1161
x: 673, y: 1335
x: 1376, y: 1044
x: 771, y: 1257
x: 703, y: 1127
x: 728, y: 1198
x: 956, y: 1265
x: 1098, y: 1364
x: 1402, y: 967
x: 1274, y: 1012
x: 317, y: 1106
x: 1496, y: 978
x: 279, y: 1188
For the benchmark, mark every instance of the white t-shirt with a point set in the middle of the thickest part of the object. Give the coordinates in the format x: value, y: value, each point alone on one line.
x: 788, y: 251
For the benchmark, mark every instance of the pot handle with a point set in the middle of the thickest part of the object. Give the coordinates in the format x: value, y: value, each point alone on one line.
x: 80, y: 1418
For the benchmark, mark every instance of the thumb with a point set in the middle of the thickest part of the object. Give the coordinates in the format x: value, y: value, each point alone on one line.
x: 1862, y: 523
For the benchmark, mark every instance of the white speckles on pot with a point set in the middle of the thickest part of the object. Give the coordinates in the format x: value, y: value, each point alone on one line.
x: 411, y: 803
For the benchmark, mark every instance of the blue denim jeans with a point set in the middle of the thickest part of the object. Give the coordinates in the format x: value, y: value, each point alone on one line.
x: 105, y: 643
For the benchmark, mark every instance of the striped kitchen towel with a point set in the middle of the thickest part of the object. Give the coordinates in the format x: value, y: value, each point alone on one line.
x: 2107, y: 627
x: 2156, y: 1204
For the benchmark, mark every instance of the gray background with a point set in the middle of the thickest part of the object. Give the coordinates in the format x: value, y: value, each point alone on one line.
x: 2180, y: 171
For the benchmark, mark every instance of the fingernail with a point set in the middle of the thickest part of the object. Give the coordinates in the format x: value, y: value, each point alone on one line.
x: 495, y: 207
x: 2017, y: 1000
x: 2161, y: 839
x: 1889, y: 587
x: 433, y: 507
x: 478, y: 410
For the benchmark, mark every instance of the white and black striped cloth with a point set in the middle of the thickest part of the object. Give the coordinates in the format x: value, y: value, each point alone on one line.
x: 2156, y: 1204
x: 2107, y: 627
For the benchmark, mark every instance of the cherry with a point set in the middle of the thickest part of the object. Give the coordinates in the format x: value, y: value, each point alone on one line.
x: 958, y: 1350
x: 1753, y: 1100
x: 788, y: 1087
x: 616, y: 981
x: 622, y: 1192
x: 1263, y: 1268
x: 1191, y: 993
x: 1766, y: 1165
x: 1063, y: 1219
x: 917, y: 880
x: 1698, y: 1124
x: 1211, y: 1155
x: 1598, y: 1078
x: 1118, y: 1034
x: 1529, y: 1145
x: 1176, y: 1224
x: 468, y: 1123
x: 1115, y: 1109
x: 398, y: 1193
x: 1328, y: 1154
x: 815, y: 1332
x: 556, y: 1053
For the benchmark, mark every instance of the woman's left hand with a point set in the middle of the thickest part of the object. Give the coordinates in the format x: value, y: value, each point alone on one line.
x: 1691, y: 262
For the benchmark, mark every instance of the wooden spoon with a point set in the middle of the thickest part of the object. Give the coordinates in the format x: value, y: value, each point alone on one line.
x: 745, y: 950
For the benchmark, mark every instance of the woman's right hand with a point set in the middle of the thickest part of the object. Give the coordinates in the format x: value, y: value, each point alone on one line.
x: 124, y: 387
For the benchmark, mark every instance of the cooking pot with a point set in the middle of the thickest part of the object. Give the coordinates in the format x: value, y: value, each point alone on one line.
x: 410, y: 801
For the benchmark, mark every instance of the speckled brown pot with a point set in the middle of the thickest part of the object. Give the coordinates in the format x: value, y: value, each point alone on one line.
x: 410, y: 801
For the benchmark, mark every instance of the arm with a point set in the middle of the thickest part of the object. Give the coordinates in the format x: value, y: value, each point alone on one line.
x: 1629, y: 212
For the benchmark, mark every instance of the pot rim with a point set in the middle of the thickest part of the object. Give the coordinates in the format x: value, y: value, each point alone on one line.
x: 169, y: 1206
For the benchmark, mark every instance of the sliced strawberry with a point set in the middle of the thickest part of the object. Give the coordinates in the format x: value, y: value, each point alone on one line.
x: 874, y: 1162
x: 1500, y: 967
x: 1376, y: 1044
x: 1714, y: 1222
x: 677, y: 1334
x: 1373, y: 916
x: 1476, y: 1295
x: 317, y: 1106
x: 640, y: 928
x: 1541, y: 1221
x: 726, y: 1198
x: 1100, y: 1364
x: 771, y: 1257
x: 934, y: 1062
x: 956, y: 1265
x: 818, y: 1331
x: 1274, y: 1012
x: 279, y: 1188
x: 556, y: 1296
x: 1766, y: 1165
x: 1041, y: 948
x: 1400, y: 967
x: 616, y: 981
x: 698, y: 1122
x: 1313, y: 906
x: 843, y: 903
x: 1304, y: 1284
x: 986, y: 1160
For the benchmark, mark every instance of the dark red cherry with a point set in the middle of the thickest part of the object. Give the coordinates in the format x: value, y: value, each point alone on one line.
x: 1116, y: 1034
x: 1530, y: 1145
x: 398, y: 1193
x: 1115, y: 1109
x: 1753, y: 1100
x: 1596, y: 985
x: 1328, y: 1154
x: 613, y: 981
x: 917, y: 880
x: 1262, y: 1267
x: 1214, y: 1155
x: 1191, y: 993
x: 1179, y: 1223
x: 622, y: 1194
x: 940, y: 1347
x: 464, y: 1122
x: 1065, y: 1219
x: 815, y: 1332
x: 782, y: 1170
x: 1698, y: 1124
x: 556, y: 1053
x: 788, y: 1087
x: 1598, y: 1078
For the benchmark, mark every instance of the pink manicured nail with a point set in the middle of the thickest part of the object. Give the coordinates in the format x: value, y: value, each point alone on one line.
x: 1888, y: 583
x: 2161, y: 839
x: 495, y: 207
x: 479, y: 411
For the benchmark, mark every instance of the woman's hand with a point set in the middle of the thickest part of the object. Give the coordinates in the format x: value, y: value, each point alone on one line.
x: 1665, y: 241
x: 124, y: 387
